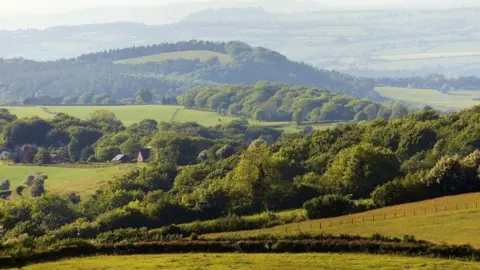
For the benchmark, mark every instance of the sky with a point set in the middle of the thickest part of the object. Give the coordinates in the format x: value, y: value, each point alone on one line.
x: 15, y: 6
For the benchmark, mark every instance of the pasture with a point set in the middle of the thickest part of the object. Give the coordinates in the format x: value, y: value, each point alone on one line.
x: 131, y: 114
x: 453, y: 100
x: 257, y: 261
x: 451, y: 220
x: 201, y: 55
x: 64, y: 180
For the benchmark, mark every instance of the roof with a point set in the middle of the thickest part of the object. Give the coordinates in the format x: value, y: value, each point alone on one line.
x: 118, y: 157
x: 145, y: 152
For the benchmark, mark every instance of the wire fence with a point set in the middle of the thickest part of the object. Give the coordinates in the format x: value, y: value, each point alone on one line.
x: 366, y: 218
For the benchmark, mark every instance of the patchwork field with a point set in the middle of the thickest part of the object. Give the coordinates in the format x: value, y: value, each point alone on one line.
x: 453, y: 100
x: 201, y: 55
x: 62, y: 179
x: 257, y: 261
x: 452, y: 220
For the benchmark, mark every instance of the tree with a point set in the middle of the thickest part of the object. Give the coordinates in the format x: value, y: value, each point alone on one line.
x: 144, y: 96
x: 398, y: 111
x: 225, y: 152
x: 360, y: 169
x: 74, y: 149
x: 42, y: 156
x: 86, y: 153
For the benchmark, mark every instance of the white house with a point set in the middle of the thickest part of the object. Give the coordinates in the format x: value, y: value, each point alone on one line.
x: 5, y: 155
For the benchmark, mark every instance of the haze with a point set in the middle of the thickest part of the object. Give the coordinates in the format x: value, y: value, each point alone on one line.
x: 58, y: 5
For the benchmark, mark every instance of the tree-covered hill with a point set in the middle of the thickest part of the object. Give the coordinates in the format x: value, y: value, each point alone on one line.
x: 279, y: 102
x: 97, y: 73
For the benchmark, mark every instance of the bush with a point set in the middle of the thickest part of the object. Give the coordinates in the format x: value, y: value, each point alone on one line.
x: 329, y: 206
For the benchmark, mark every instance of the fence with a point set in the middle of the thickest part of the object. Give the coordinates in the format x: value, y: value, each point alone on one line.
x: 374, y: 216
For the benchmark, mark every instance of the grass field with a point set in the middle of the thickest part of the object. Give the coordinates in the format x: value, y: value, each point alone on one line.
x: 455, y: 100
x: 257, y: 261
x: 133, y: 114
x: 426, y: 220
x: 64, y: 180
x: 202, y: 55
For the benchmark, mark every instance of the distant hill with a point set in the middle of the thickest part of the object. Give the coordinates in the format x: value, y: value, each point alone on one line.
x: 97, y: 73
x: 231, y: 15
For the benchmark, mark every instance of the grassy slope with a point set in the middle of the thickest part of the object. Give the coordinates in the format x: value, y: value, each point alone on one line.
x: 437, y: 225
x: 64, y: 180
x: 431, y: 97
x: 202, y: 55
x: 257, y: 261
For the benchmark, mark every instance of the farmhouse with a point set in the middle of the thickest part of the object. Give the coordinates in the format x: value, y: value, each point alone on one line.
x: 143, y: 155
x: 120, y: 159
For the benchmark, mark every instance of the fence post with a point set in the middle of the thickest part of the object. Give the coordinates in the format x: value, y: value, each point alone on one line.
x: 436, y: 211
x: 286, y: 230
x: 446, y: 207
x: 298, y: 226
x: 363, y: 220
x: 352, y: 220
x: 341, y: 222
x: 310, y: 226
x: 425, y: 210
x: 320, y: 225
x: 330, y: 223
x: 414, y: 212
x: 466, y: 206
x: 395, y: 215
x: 404, y: 213
x: 384, y: 216
x: 456, y: 206
x: 373, y: 218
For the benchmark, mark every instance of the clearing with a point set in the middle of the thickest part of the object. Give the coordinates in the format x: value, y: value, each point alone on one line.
x: 201, y: 55
x: 257, y: 261
x: 451, y: 220
x: 63, y: 180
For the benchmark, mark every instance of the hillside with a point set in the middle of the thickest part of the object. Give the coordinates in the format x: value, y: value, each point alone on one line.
x: 92, y: 74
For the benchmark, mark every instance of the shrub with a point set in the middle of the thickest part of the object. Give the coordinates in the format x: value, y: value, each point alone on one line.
x: 329, y: 206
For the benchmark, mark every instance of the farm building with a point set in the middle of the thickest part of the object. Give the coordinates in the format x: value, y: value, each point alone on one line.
x: 59, y: 159
x: 143, y: 155
x: 5, y: 155
x: 120, y: 159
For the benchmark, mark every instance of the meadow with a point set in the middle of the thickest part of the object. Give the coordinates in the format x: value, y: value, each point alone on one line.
x: 453, y: 100
x: 64, y: 180
x: 201, y: 55
x: 451, y: 220
x: 256, y: 261
x: 161, y: 113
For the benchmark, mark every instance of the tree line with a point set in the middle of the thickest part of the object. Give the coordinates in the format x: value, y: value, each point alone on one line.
x: 278, y: 102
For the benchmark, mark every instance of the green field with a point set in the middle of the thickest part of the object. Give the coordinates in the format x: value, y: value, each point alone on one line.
x: 161, y: 113
x: 64, y: 180
x: 257, y: 261
x: 453, y: 100
x: 201, y: 55
x: 436, y: 220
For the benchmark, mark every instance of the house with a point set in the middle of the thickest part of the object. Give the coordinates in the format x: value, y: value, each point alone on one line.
x: 120, y: 159
x: 143, y: 155
x: 5, y: 155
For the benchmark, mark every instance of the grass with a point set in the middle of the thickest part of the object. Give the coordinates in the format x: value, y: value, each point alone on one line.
x: 62, y: 179
x: 426, y: 220
x: 257, y: 261
x: 202, y: 55
x: 430, y: 97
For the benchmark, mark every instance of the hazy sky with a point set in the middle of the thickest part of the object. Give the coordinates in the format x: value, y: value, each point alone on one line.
x: 57, y: 5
